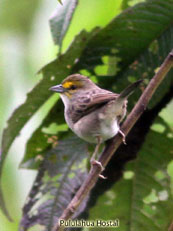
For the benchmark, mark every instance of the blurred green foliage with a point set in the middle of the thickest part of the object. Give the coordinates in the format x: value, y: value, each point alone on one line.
x: 26, y: 46
x: 17, y: 74
x: 19, y: 17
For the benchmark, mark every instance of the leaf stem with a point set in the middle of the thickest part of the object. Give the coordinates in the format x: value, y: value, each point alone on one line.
x: 115, y: 142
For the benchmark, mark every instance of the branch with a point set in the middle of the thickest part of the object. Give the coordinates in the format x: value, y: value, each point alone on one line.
x: 115, y: 142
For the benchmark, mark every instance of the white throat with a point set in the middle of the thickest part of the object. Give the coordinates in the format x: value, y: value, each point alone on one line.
x: 65, y: 100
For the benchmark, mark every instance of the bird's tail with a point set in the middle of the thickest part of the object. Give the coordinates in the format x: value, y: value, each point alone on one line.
x: 129, y: 90
x: 115, y: 106
x: 125, y: 94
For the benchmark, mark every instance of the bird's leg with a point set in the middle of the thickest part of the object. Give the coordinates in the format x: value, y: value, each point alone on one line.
x: 123, y: 136
x: 93, y: 160
x: 94, y: 155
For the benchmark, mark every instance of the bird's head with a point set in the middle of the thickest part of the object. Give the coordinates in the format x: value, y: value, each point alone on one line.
x: 73, y: 85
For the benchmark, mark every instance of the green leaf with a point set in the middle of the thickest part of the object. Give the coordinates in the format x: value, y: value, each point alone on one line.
x: 145, y: 67
x: 128, y: 34
x: 109, y: 52
x: 146, y: 187
x: 42, y: 139
x: 61, y: 174
x: 52, y: 73
x: 60, y: 20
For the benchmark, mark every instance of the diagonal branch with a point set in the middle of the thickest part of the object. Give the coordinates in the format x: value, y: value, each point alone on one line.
x: 114, y: 143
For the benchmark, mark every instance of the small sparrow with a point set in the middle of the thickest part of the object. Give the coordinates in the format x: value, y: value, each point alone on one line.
x: 94, y: 114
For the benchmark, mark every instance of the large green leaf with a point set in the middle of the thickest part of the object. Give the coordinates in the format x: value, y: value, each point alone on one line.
x: 142, y: 199
x: 45, y: 137
x: 128, y: 34
x: 61, y: 173
x: 146, y: 65
x: 52, y: 73
x: 60, y: 20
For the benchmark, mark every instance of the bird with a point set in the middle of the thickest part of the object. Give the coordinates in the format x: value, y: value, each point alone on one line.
x: 94, y: 114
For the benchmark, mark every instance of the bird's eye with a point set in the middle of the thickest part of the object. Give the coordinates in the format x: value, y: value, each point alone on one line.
x: 73, y: 87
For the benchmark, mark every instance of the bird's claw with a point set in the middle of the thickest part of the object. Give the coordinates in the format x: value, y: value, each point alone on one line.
x: 102, y: 177
x: 95, y: 162
x: 123, y: 137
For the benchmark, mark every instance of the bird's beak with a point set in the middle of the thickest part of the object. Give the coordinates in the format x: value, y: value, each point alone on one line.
x: 58, y: 88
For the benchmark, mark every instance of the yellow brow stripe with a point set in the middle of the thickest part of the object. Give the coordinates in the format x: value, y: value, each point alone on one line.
x: 67, y: 84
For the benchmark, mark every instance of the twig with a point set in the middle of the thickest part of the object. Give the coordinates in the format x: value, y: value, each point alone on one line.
x: 114, y: 143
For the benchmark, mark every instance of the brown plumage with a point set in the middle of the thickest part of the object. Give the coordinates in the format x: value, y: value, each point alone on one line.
x: 93, y: 113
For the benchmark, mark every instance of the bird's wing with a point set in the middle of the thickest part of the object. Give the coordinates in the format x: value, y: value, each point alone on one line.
x: 89, y: 103
x: 94, y: 99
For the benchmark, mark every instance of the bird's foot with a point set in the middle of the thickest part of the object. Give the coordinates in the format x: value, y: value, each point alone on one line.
x: 95, y: 162
x: 123, y: 136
